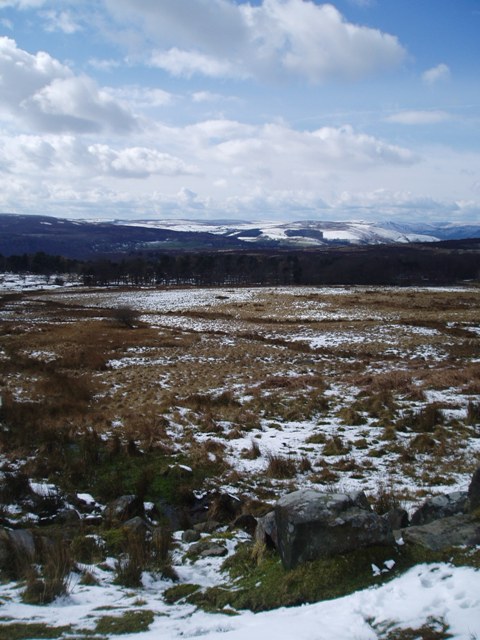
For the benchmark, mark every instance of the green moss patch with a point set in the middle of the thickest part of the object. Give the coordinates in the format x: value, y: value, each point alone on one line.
x: 129, y: 622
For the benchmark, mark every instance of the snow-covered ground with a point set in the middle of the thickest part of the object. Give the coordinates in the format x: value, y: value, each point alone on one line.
x: 307, y: 316
x: 424, y: 593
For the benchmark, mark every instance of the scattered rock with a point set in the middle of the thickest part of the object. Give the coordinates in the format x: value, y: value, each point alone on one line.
x: 442, y: 506
x: 441, y: 534
x: 190, y: 535
x: 206, y: 527
x: 68, y: 515
x: 397, y: 518
x: 311, y: 525
x: 208, y: 549
x: 246, y: 522
x: 136, y: 526
x: 123, y: 509
x: 474, y: 491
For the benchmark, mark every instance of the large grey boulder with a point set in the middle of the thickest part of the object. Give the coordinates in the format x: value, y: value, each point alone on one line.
x: 442, y: 506
x: 441, y: 534
x: 311, y: 525
x: 474, y: 491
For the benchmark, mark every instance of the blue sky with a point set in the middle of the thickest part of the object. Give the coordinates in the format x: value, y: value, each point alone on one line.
x: 267, y: 109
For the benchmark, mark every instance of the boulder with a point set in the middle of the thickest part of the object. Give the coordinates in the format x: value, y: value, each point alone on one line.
x: 246, y: 522
x: 15, y: 544
x: 123, y: 509
x: 442, y: 506
x: 474, y: 491
x: 311, y: 525
x: 136, y: 526
x: 190, y: 535
x: 397, y: 518
x: 458, y: 530
x: 266, y: 531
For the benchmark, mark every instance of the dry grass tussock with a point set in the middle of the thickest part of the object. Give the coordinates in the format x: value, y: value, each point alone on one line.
x: 82, y: 387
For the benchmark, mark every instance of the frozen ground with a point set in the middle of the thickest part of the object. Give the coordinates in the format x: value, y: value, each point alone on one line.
x: 423, y: 594
x: 254, y: 344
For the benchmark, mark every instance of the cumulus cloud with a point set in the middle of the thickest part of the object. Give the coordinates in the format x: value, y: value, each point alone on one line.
x: 418, y: 117
x: 436, y: 74
x: 46, y: 95
x: 324, y: 147
x: 138, y: 162
x: 278, y: 37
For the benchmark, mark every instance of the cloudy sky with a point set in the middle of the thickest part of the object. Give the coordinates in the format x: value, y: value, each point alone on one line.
x: 258, y: 109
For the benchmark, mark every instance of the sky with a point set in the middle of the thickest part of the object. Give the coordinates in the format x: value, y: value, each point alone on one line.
x: 244, y: 110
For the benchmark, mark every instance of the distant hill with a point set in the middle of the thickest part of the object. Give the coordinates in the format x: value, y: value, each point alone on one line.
x: 87, y: 239
x: 81, y: 239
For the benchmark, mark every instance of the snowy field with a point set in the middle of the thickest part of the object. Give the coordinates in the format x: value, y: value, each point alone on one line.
x: 333, y: 380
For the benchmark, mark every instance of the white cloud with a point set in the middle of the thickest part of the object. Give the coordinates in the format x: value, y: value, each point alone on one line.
x: 436, y: 74
x: 208, y: 96
x: 8, y: 24
x: 418, y: 117
x: 138, y: 162
x: 138, y: 97
x: 104, y: 65
x: 45, y: 94
x: 60, y: 21
x: 23, y: 4
x: 187, y: 63
x: 278, y: 37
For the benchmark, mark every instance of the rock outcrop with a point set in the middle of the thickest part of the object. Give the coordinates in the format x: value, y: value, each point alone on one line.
x: 439, y: 507
x: 311, y: 525
x: 444, y: 533
x: 474, y: 491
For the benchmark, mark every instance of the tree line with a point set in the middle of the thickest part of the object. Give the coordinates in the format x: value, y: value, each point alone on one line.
x: 437, y: 263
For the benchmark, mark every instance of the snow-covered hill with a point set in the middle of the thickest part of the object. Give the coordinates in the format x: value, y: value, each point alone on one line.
x: 316, y: 233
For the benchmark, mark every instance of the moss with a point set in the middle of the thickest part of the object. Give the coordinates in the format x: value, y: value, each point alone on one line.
x: 179, y: 592
x: 128, y: 622
x: 264, y: 584
x: 25, y: 631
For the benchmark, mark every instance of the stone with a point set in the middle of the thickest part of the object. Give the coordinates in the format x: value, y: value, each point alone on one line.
x: 68, y: 515
x: 123, y: 508
x: 458, y: 530
x: 474, y: 491
x: 312, y: 525
x: 15, y: 543
x: 397, y: 518
x: 190, y: 535
x: 442, y: 506
x: 246, y: 522
x: 266, y: 531
x: 206, y: 527
x: 208, y: 549
x: 136, y: 526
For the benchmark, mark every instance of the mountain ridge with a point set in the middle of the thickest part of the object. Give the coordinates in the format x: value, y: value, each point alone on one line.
x: 80, y: 238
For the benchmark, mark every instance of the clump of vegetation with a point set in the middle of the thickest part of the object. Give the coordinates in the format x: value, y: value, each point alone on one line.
x: 46, y: 583
x: 262, y: 584
x: 335, y: 446
x: 127, y: 622
x: 280, y: 467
